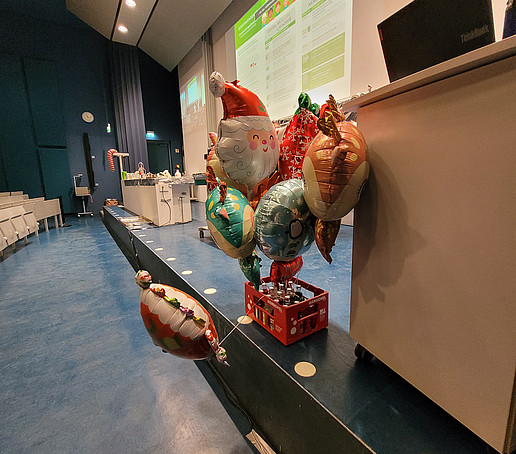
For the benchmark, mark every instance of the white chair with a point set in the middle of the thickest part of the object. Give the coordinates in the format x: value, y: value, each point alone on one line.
x: 32, y: 224
x: 21, y: 219
x: 43, y: 209
x: 8, y: 231
x: 22, y: 231
x: 3, y: 244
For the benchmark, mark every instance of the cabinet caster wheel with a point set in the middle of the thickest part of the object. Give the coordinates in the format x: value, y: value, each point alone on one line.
x: 362, y: 354
x: 91, y: 214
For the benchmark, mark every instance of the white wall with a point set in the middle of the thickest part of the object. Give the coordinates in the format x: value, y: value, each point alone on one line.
x: 367, y: 63
x: 195, y: 142
x: 368, y: 66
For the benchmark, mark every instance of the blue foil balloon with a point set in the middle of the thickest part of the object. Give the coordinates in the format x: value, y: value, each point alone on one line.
x: 283, y: 224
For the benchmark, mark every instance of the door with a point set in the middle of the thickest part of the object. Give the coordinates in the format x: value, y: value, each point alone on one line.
x: 158, y: 152
x: 177, y: 160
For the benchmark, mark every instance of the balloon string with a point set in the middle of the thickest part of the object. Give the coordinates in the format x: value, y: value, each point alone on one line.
x: 233, y: 329
x: 236, y: 326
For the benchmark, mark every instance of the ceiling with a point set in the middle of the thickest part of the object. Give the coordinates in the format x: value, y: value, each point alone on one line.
x: 166, y: 30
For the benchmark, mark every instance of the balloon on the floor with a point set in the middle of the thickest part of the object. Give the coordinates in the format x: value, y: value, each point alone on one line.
x: 297, y: 137
x: 283, y: 271
x: 230, y: 220
x: 250, y: 266
x: 176, y: 322
x: 247, y: 144
x: 325, y: 236
x: 283, y: 223
x: 335, y: 167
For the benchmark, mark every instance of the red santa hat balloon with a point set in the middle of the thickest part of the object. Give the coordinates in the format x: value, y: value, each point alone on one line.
x: 247, y: 143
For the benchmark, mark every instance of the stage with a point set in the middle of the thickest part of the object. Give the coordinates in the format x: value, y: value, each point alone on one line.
x: 347, y: 406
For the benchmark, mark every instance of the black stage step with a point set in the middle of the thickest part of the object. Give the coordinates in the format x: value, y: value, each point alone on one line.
x: 348, y: 406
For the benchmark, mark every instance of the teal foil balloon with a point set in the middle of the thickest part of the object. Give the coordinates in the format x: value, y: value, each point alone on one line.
x: 231, y: 222
x: 250, y: 266
x: 283, y: 224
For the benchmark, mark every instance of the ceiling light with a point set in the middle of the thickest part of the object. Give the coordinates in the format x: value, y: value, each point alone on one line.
x: 122, y: 28
x: 130, y: 3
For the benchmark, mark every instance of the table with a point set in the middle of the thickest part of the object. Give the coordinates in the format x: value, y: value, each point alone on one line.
x: 161, y: 201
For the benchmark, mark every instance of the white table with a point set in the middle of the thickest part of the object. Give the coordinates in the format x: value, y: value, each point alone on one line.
x: 163, y: 202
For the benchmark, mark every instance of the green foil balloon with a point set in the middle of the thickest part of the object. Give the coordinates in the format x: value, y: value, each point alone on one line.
x: 250, y: 266
x: 283, y: 224
x: 231, y: 222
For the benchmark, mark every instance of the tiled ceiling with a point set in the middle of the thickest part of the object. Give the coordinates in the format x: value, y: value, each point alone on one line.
x: 164, y: 29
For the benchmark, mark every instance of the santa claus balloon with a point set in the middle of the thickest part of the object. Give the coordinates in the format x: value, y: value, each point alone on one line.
x: 247, y: 144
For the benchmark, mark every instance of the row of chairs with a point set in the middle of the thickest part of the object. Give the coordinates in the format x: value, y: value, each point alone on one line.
x: 42, y: 209
x: 16, y: 224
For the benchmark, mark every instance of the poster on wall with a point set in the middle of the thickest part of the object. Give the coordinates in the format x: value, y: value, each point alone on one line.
x: 284, y: 47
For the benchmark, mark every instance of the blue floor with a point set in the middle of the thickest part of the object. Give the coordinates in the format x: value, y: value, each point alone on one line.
x: 79, y: 373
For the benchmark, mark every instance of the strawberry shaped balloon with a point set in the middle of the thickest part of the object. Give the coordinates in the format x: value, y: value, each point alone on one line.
x: 297, y: 137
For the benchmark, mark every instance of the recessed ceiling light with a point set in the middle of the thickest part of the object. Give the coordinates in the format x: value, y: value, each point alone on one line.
x: 130, y: 3
x: 122, y: 28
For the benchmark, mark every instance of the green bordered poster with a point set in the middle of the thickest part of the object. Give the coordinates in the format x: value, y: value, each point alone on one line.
x: 284, y: 47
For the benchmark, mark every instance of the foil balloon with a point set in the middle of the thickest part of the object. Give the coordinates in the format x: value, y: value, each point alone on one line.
x: 283, y: 271
x: 283, y: 223
x: 325, y: 235
x: 250, y: 266
x: 214, y: 162
x: 247, y: 144
x: 297, y: 137
x: 230, y: 220
x: 176, y: 322
x: 261, y: 188
x: 335, y: 167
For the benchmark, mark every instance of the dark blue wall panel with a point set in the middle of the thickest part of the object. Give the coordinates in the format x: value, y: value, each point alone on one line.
x: 45, y: 102
x: 55, y: 171
x: 81, y: 76
x: 20, y: 170
x: 81, y: 81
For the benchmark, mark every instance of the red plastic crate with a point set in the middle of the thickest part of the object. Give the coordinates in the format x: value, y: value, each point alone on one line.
x: 288, y: 323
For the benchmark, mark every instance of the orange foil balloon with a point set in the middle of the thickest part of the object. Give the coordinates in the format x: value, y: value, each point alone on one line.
x: 325, y: 235
x: 335, y: 168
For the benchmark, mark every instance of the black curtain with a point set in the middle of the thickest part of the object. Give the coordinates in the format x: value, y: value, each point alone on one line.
x: 127, y: 94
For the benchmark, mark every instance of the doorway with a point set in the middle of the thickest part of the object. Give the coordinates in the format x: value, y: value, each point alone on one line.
x: 162, y: 158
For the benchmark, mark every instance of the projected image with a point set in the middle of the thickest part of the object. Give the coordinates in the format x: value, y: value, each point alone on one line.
x: 192, y: 103
x: 284, y: 47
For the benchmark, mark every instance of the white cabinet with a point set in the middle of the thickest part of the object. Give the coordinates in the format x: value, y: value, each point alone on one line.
x: 433, y: 278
